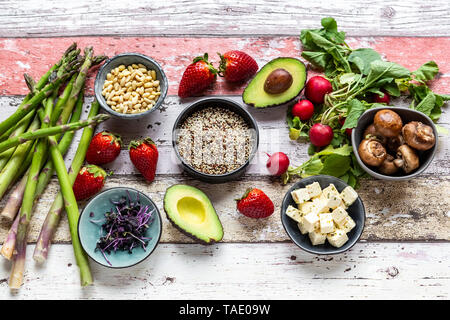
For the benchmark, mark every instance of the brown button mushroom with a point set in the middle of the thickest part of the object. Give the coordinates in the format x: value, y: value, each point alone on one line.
x: 394, y: 142
x: 372, y: 152
x: 418, y: 135
x: 407, y: 158
x: 371, y: 132
x: 388, y: 167
x: 388, y: 123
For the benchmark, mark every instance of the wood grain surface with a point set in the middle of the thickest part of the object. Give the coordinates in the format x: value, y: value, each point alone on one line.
x: 405, y: 246
x: 34, y: 18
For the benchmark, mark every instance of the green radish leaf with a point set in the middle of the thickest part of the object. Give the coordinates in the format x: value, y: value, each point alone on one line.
x: 311, y: 150
x: 329, y: 24
x: 393, y: 89
x: 445, y: 97
x: 345, y: 177
x: 352, y: 180
x: 319, y: 59
x: 427, y: 104
x: 331, y: 30
x: 426, y: 72
x: 362, y: 58
x: 356, y: 109
x: 313, y: 166
x: 345, y: 150
x: 385, y: 69
x: 335, y: 165
x: 349, y: 78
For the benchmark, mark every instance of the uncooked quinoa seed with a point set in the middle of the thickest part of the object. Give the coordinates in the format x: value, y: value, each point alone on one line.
x: 215, y: 140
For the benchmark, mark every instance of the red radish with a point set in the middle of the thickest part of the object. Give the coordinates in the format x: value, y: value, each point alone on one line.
x: 348, y: 131
x: 303, y: 109
x: 320, y: 135
x: 278, y: 163
x: 316, y: 89
x: 384, y: 99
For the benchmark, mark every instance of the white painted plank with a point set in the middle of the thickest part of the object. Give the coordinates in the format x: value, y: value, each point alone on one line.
x: 34, y: 18
x: 248, y: 271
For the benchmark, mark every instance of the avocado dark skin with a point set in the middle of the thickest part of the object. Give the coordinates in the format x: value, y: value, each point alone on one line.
x: 190, y: 235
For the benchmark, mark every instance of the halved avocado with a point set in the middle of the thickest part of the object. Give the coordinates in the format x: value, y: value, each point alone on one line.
x: 190, y: 210
x: 255, y: 94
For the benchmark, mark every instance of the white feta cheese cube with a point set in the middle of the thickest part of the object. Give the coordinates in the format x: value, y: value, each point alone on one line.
x: 349, y: 196
x: 314, y: 189
x: 342, y: 205
x: 317, y: 237
x: 339, y: 214
x: 347, y: 224
x: 294, y: 213
x: 310, y: 221
x: 300, y: 195
x: 337, y: 238
x: 321, y: 206
x: 331, y: 189
x: 301, y: 227
x: 306, y: 207
x: 333, y: 200
x: 316, y: 200
x: 326, y: 223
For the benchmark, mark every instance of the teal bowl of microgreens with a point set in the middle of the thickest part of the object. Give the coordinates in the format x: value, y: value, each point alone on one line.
x: 119, y: 227
x: 130, y: 86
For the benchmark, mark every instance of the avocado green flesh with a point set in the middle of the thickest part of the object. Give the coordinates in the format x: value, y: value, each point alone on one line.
x: 255, y: 95
x: 191, y: 211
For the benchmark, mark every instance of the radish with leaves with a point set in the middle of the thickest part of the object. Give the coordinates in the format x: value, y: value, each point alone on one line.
x: 303, y: 109
x: 320, y: 135
x: 316, y: 88
x: 278, y: 163
x: 384, y: 99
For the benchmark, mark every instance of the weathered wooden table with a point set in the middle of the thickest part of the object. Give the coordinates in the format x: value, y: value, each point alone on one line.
x: 404, y: 251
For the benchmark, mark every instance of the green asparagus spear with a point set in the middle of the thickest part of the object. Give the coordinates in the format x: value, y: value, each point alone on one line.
x: 16, y: 278
x: 71, y: 206
x: 32, y: 104
x: 16, y: 162
x: 51, y: 131
x: 52, y: 219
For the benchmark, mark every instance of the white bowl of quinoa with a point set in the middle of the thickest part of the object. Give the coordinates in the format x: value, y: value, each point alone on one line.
x: 215, y: 139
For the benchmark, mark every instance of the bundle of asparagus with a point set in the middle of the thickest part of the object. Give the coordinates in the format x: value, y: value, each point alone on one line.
x: 33, y: 141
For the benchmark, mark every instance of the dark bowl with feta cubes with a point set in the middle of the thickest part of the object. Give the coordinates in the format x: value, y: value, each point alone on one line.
x: 323, y: 215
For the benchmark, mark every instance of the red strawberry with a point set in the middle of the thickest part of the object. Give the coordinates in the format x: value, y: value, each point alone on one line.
x: 197, y: 77
x: 89, y: 181
x: 237, y: 66
x: 144, y: 156
x: 104, y: 148
x: 255, y: 204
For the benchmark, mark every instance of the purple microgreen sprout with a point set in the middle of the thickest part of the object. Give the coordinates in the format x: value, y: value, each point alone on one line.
x: 124, y: 226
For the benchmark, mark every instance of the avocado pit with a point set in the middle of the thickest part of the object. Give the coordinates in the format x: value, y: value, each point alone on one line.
x: 278, y: 81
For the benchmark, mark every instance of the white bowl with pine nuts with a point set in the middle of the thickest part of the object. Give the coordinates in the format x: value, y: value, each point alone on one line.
x: 130, y: 85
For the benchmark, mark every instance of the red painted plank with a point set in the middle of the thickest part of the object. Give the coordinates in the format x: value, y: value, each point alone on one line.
x: 35, y: 55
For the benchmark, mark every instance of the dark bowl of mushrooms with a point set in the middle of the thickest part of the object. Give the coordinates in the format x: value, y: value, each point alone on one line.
x: 394, y: 143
